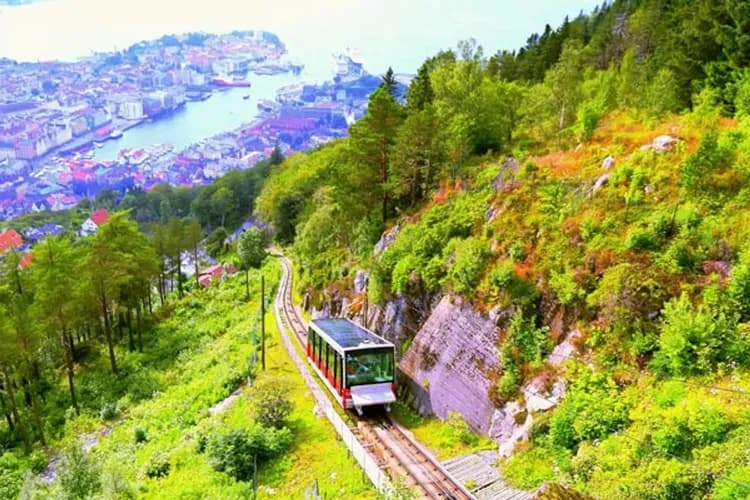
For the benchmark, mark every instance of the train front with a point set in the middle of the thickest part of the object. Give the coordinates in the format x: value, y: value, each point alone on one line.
x: 370, y: 377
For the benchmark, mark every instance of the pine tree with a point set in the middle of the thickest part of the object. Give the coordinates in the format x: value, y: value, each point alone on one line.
x: 389, y: 82
x: 55, y: 273
x: 371, y: 139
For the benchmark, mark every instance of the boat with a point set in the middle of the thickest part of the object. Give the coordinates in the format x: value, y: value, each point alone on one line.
x: 115, y: 134
x: 98, y: 144
x: 223, y: 82
x: 246, y: 97
x: 267, y: 105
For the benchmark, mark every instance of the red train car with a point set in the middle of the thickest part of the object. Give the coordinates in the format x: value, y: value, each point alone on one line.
x: 356, y: 365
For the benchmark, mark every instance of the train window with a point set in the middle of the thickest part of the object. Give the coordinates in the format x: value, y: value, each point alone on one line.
x: 369, y: 367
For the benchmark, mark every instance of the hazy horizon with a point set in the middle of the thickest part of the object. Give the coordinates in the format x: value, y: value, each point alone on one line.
x: 387, y: 33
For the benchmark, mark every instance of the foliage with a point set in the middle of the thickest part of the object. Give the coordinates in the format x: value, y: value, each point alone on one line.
x: 79, y: 474
x: 271, y: 403
x: 592, y: 409
x: 236, y: 451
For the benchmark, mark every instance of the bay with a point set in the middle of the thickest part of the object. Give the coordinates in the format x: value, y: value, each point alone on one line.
x: 224, y: 111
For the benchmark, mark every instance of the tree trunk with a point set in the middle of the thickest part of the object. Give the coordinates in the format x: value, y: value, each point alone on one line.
x: 69, y: 368
x: 384, y: 177
x: 8, y: 417
x: 197, y: 270
x: 179, y: 275
x: 70, y: 341
x: 139, y: 327
x: 37, y: 413
x: 108, y: 335
x: 131, y: 341
x: 14, y: 410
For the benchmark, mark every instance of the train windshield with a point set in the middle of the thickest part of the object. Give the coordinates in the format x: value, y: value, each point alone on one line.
x: 369, y: 367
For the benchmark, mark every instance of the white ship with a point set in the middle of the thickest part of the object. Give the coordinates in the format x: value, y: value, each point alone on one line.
x: 349, y: 64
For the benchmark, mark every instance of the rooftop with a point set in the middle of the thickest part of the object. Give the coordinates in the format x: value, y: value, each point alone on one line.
x: 347, y: 333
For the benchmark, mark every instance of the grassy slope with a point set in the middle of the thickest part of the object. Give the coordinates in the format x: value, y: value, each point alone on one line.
x: 194, y: 358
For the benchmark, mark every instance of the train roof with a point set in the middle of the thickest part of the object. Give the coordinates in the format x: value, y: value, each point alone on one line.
x: 347, y: 334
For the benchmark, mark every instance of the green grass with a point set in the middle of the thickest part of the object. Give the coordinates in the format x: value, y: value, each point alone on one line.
x: 195, y: 356
x: 446, y: 439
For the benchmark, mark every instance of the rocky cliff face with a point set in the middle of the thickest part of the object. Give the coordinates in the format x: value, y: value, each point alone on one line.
x: 450, y: 362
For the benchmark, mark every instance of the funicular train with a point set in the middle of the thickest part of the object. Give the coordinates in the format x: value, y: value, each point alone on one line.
x: 356, y: 365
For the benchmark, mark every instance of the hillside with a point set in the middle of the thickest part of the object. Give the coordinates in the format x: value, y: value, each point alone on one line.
x: 587, y: 196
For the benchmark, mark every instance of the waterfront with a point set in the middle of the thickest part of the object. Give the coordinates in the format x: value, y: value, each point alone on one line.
x: 225, y: 110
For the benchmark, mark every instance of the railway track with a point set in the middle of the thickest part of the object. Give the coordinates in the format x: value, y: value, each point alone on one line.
x: 398, y: 453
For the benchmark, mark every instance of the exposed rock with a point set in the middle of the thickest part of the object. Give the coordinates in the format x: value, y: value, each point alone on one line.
x: 600, y: 182
x: 323, y: 312
x: 449, y: 362
x: 664, y: 143
x: 386, y: 239
x: 661, y: 144
x: 720, y: 267
x: 608, y: 162
x: 507, y: 170
x: 537, y: 398
x: 499, y: 315
x: 360, y: 281
x: 521, y: 433
x: 490, y: 214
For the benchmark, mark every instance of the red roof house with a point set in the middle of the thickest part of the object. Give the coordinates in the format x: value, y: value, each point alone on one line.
x: 25, y: 260
x: 92, y: 224
x: 9, y: 240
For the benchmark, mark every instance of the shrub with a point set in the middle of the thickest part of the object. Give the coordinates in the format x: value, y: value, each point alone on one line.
x: 592, y: 409
x: 109, y: 411
x: 695, y: 339
x: 115, y: 484
x: 565, y: 288
x: 517, y: 251
x: 234, y: 451
x: 271, y: 403
x: 158, y: 466
x: 79, y: 474
x: 201, y: 443
x: 642, y: 239
x: 37, y: 462
x: 502, y: 277
x: 471, y: 256
x: 140, y: 435
x: 460, y: 430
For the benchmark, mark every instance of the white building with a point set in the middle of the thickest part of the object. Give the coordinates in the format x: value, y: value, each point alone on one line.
x: 131, y: 110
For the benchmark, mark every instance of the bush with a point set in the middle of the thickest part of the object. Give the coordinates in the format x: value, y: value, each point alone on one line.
x: 37, y: 462
x: 695, y: 339
x: 471, y: 256
x: 642, y: 239
x: 592, y: 409
x: 271, y: 403
x: 460, y: 430
x: 158, y: 466
x: 565, y: 288
x: 79, y: 475
x: 234, y: 451
x: 140, y: 435
x: 109, y: 411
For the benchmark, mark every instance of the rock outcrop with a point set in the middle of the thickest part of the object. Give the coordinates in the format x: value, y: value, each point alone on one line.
x: 450, y: 362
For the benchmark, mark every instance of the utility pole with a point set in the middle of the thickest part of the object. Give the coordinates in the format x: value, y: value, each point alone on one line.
x: 263, y: 322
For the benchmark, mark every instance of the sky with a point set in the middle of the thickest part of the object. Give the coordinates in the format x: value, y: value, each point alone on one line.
x: 400, y: 33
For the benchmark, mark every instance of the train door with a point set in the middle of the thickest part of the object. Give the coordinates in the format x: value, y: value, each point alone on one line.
x: 337, y: 371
